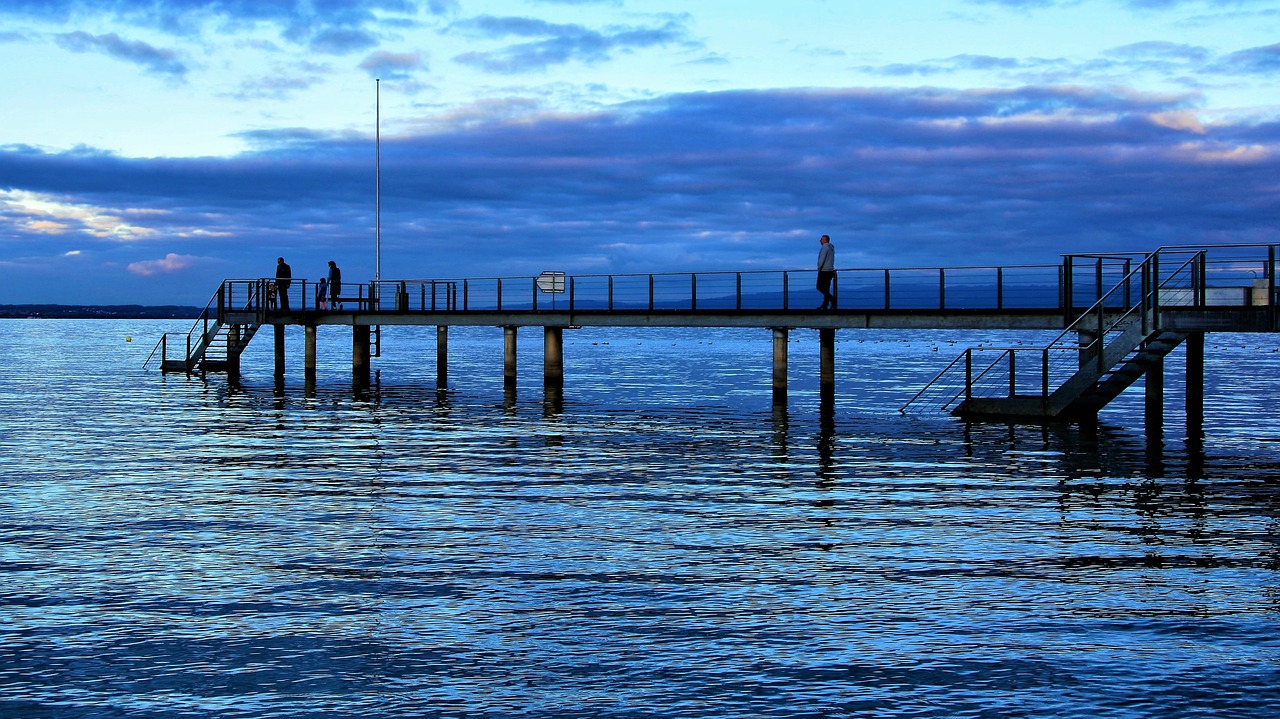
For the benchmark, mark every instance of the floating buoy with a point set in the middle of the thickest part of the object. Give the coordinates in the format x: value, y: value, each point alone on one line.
x: 128, y: 339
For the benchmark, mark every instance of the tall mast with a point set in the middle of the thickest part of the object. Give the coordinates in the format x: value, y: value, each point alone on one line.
x: 377, y: 182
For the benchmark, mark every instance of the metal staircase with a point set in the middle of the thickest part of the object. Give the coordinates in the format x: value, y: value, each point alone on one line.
x: 211, y: 343
x: 1103, y: 351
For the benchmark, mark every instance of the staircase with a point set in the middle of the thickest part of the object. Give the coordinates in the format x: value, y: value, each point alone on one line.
x: 1102, y: 352
x: 211, y: 343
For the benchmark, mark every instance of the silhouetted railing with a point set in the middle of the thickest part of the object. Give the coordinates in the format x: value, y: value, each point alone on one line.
x: 1127, y: 293
x: 906, y: 288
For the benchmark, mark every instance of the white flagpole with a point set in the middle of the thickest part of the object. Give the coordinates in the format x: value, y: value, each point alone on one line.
x: 377, y: 186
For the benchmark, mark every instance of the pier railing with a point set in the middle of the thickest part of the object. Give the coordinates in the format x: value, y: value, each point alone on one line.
x: 902, y: 288
x: 1129, y: 294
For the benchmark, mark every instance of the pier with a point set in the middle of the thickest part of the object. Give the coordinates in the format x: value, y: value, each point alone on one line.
x: 1120, y: 314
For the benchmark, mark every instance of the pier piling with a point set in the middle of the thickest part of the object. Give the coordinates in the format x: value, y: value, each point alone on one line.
x: 442, y: 356
x: 509, y: 357
x: 360, y: 351
x: 780, y: 338
x: 827, y: 372
x: 553, y: 359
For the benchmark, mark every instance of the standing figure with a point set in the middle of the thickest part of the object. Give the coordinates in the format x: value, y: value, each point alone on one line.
x: 322, y: 294
x: 335, y: 285
x: 826, y: 272
x: 283, y: 276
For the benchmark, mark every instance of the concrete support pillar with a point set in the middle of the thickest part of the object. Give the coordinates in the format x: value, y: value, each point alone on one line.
x: 360, y: 353
x: 1155, y: 397
x: 553, y: 359
x: 1195, y: 385
x: 509, y: 357
x: 279, y: 342
x: 827, y: 371
x: 309, y: 356
x: 442, y: 356
x: 233, y: 355
x: 780, y: 335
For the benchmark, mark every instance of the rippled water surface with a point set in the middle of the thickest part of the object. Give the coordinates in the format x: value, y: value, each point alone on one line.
x: 666, y: 544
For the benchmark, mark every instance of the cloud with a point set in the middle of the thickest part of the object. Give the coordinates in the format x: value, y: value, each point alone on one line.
x: 392, y: 66
x: 155, y: 60
x: 1253, y: 61
x: 1183, y: 64
x: 47, y: 214
x: 331, y: 26
x: 557, y: 44
x: 171, y: 262
x: 342, y: 41
x: 701, y: 181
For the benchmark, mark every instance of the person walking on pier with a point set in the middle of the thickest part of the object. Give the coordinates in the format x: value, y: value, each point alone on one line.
x: 335, y: 285
x: 322, y: 294
x: 283, y: 276
x: 826, y: 272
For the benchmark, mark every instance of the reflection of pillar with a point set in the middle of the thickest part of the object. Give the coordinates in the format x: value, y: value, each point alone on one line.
x: 780, y: 365
x: 553, y: 359
x: 1195, y: 384
x: 1155, y: 396
x: 309, y: 356
x: 509, y: 357
x: 442, y: 356
x: 827, y: 374
x: 360, y: 355
x: 279, y: 332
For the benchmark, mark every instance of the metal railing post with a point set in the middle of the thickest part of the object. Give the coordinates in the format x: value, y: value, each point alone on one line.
x: 999, y: 288
x: 942, y: 288
x: 1065, y: 294
x: 1155, y: 290
x: 886, y: 289
x: 1097, y: 281
x: 1271, y: 282
x: 738, y: 292
x: 610, y: 293
x: 1202, y: 280
x: 1013, y: 373
x: 534, y: 282
x: 650, y: 293
x: 1044, y: 374
x: 499, y: 294
x: 693, y: 291
x: 1101, y: 340
x: 968, y: 374
x: 572, y: 285
x: 1145, y: 303
x: 786, y: 290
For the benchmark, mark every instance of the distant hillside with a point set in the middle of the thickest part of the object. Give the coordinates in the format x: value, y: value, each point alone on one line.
x: 116, y: 312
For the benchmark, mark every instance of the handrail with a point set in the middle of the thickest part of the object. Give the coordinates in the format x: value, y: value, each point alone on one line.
x: 202, y: 319
x: 1149, y: 304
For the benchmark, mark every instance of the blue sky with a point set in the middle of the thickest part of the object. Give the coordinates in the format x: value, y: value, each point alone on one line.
x: 150, y: 149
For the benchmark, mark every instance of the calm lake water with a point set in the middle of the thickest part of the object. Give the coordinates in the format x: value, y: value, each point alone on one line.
x: 663, y: 545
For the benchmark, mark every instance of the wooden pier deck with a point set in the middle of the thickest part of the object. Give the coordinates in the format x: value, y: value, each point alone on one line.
x: 1119, y: 314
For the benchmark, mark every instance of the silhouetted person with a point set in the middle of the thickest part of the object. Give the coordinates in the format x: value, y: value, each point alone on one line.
x: 335, y: 285
x: 283, y: 277
x: 826, y: 272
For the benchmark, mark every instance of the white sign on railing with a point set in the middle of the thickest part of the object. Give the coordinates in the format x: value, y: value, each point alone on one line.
x: 551, y: 282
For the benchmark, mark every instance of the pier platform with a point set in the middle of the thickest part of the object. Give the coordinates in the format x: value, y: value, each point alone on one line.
x: 1119, y: 315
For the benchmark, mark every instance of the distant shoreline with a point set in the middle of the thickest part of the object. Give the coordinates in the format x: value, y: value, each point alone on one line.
x: 86, y: 312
